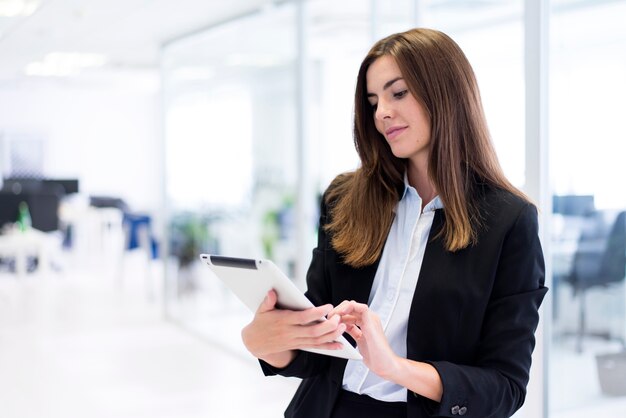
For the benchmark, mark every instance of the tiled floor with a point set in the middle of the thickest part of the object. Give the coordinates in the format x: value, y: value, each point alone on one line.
x: 85, y: 343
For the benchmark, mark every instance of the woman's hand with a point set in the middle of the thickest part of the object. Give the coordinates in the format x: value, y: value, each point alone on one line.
x: 274, y: 334
x: 366, y: 329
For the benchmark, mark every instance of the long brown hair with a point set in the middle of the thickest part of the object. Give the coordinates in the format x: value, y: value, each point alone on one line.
x: 461, y: 154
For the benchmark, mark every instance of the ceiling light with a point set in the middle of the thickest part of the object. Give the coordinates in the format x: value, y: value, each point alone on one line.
x: 13, y: 8
x: 62, y: 64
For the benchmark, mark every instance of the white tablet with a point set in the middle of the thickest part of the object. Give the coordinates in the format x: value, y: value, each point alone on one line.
x: 251, y: 279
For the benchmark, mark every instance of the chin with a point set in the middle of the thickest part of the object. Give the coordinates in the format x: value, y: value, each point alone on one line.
x: 398, y: 153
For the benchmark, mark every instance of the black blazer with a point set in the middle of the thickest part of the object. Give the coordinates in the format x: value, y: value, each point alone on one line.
x: 473, y: 315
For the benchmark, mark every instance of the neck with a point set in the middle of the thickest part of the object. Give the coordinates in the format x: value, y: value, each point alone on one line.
x: 419, y: 179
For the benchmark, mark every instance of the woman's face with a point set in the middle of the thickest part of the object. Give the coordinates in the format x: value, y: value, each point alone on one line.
x: 398, y: 116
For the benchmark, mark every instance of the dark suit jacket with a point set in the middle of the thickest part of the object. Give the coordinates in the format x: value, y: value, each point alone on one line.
x: 473, y: 315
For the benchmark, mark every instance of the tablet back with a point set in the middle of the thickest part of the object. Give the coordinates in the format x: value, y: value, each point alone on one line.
x: 251, y: 279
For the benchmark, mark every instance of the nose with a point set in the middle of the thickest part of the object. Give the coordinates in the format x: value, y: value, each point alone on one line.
x: 383, y: 110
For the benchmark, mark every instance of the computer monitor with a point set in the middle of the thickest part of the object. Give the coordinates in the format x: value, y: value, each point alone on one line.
x: 573, y: 205
x: 9, y: 204
x: 69, y: 185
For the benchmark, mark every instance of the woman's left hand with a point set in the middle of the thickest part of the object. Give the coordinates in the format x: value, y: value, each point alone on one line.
x: 365, y: 327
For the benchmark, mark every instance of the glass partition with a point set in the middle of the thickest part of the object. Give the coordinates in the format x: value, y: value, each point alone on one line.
x: 230, y: 129
x: 587, y: 87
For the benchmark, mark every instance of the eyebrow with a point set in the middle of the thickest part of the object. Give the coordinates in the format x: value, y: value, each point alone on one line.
x: 386, y: 86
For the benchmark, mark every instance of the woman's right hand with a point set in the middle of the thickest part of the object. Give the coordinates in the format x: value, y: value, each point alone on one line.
x: 274, y: 334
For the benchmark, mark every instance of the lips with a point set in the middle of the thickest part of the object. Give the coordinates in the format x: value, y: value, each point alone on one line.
x: 394, y: 131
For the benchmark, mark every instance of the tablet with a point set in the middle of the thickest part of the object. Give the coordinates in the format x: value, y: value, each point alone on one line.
x: 251, y: 279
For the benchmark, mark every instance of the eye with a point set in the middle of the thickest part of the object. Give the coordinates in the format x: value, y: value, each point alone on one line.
x: 400, y: 94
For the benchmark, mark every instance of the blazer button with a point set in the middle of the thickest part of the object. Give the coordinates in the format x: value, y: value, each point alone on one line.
x: 455, y: 410
x: 462, y: 410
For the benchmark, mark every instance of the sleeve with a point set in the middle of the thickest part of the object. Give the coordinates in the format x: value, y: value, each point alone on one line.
x: 495, y: 384
x: 307, y: 364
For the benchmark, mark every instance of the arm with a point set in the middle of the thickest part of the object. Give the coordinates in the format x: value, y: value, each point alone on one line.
x: 494, y: 384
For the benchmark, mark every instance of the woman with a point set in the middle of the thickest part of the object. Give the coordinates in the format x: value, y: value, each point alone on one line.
x: 427, y: 256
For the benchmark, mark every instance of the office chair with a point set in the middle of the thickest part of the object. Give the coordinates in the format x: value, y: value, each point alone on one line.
x: 599, y: 261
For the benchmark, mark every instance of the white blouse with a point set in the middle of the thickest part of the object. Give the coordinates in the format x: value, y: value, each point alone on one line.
x: 393, y: 288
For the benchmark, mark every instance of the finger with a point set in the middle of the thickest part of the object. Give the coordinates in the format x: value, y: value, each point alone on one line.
x: 351, y: 319
x: 348, y: 307
x: 339, y: 332
x: 322, y: 328
x: 360, y: 307
x: 269, y: 303
x: 327, y: 337
x: 354, y: 332
x: 338, y: 308
x: 311, y: 315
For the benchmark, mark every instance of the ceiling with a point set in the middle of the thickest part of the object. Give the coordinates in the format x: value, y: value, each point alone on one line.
x: 127, y: 32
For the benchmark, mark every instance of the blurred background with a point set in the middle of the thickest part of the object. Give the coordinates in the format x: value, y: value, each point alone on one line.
x: 137, y: 134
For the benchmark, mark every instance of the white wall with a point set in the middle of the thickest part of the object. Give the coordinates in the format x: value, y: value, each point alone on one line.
x: 103, y: 130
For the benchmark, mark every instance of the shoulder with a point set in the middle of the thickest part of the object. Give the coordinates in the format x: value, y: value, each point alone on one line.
x: 338, y: 188
x: 492, y: 199
x: 341, y: 181
x: 500, y: 208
